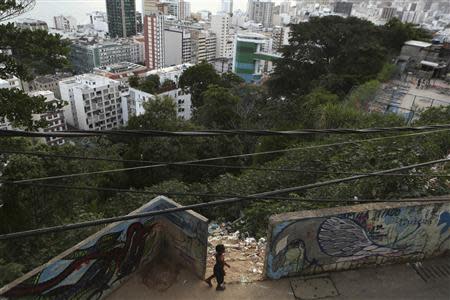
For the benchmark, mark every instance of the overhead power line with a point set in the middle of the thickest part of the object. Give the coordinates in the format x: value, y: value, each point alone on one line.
x: 282, y: 170
x: 60, y: 228
x: 185, y: 194
x: 214, y: 132
x: 227, y: 157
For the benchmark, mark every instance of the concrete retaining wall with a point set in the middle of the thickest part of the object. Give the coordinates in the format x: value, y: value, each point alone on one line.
x: 101, y: 263
x: 313, y: 242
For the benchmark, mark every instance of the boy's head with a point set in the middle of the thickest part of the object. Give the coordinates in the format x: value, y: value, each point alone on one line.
x: 220, y: 248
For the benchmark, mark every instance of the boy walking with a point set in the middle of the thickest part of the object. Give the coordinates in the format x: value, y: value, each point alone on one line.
x: 219, y: 268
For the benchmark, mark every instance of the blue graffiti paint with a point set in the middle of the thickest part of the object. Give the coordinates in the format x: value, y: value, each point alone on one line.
x: 444, y: 218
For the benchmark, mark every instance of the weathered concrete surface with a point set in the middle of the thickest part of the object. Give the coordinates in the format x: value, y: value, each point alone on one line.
x: 341, y: 238
x: 102, y: 262
x: 389, y: 282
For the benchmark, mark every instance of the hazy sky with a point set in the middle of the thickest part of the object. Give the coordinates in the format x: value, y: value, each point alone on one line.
x: 46, y: 9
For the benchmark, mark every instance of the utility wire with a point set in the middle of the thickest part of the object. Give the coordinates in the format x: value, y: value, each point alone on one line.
x: 214, y: 132
x: 73, y: 226
x: 227, y: 157
x: 208, y: 195
x: 283, y: 170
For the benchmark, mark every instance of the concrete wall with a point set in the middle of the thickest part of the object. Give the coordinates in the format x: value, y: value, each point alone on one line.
x: 101, y: 263
x: 313, y: 242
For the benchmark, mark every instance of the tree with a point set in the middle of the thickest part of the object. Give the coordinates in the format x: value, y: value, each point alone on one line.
x: 25, y: 54
x: 219, y: 110
x: 133, y: 81
x: 150, y: 84
x: 12, y: 8
x: 167, y: 85
x: 331, y: 52
x: 396, y: 33
x: 196, y: 79
x: 160, y: 114
x: 229, y: 80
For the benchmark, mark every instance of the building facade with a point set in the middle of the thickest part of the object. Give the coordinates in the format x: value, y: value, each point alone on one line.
x: 226, y: 6
x: 220, y: 25
x: 154, y: 41
x: 95, y: 102
x: 261, y: 11
x: 87, y: 55
x: 65, y: 23
x: 55, y: 120
x: 135, y: 100
x: 252, y: 56
x: 121, y: 18
x: 177, y: 47
x: 184, y: 10
x: 31, y: 24
x: 343, y: 8
x: 203, y: 46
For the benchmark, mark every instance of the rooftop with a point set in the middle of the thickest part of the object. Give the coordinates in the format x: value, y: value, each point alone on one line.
x: 418, y: 44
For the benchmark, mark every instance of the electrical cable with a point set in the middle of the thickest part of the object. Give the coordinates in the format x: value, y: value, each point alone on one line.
x: 214, y: 132
x: 73, y: 226
x: 42, y: 154
x: 226, y: 157
x: 182, y: 194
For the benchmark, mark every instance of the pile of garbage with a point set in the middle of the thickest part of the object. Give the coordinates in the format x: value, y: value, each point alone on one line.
x: 244, y: 254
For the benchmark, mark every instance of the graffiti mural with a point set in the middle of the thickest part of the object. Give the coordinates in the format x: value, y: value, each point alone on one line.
x: 92, y: 269
x: 302, y: 245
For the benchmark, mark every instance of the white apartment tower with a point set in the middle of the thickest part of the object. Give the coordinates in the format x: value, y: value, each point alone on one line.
x: 220, y: 25
x: 149, y: 7
x: 184, y: 10
x: 65, y: 23
x: 261, y: 11
x: 226, y: 6
x: 94, y: 102
x: 154, y: 41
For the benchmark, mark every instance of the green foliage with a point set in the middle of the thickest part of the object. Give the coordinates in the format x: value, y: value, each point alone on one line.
x: 12, y: 8
x: 396, y: 33
x: 23, y: 106
x: 387, y: 72
x: 332, y: 52
x: 229, y: 80
x: 434, y: 115
x: 219, y: 109
x: 362, y: 95
x: 32, y: 52
x: 196, y: 79
x: 167, y: 85
x: 160, y: 114
x: 150, y: 84
x: 134, y: 81
x: 25, y: 54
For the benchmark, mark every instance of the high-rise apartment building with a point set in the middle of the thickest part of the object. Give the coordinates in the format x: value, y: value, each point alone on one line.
x: 184, y: 10
x: 149, y: 7
x: 65, y: 23
x: 203, y: 46
x: 343, y: 8
x: 251, y: 52
x: 94, y: 102
x: 87, y: 55
x: 177, y: 47
x: 31, y: 24
x: 121, y: 17
x: 55, y: 119
x: 226, y: 6
x: 261, y: 11
x: 220, y: 25
x: 154, y: 41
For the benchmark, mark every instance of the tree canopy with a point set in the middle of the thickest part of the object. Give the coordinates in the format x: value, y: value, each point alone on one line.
x: 196, y: 80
